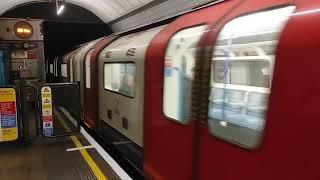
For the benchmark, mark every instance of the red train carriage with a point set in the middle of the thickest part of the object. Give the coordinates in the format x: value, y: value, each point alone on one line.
x: 70, y: 66
x: 91, y: 109
x: 237, y: 131
x: 64, y: 67
x: 177, y: 143
x: 222, y: 92
x: 78, y: 68
x: 284, y: 151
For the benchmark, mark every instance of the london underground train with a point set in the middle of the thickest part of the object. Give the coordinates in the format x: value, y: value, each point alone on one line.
x: 228, y: 91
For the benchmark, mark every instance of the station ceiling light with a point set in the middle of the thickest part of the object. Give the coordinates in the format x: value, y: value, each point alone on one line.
x: 60, y: 7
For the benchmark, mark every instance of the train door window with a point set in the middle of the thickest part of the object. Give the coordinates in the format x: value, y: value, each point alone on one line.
x: 178, y: 73
x: 51, y: 68
x: 71, y: 68
x: 120, y: 77
x: 87, y: 64
x: 64, y: 72
x: 241, y: 75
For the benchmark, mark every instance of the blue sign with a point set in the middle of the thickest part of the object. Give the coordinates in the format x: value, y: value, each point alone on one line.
x: 8, y: 121
x: 47, y: 131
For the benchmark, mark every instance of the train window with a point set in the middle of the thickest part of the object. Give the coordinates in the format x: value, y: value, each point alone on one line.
x: 178, y: 73
x: 71, y: 68
x: 241, y: 75
x: 64, y: 72
x: 51, y: 68
x: 88, y: 82
x: 120, y: 78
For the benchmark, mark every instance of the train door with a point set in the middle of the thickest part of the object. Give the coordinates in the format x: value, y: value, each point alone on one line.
x: 2, y: 70
x: 169, y: 131
x: 81, y: 59
x: 91, y: 110
x: 76, y: 69
x: 232, y: 139
x: 87, y: 73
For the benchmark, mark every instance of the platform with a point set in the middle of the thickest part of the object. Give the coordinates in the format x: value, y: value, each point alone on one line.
x: 77, y: 157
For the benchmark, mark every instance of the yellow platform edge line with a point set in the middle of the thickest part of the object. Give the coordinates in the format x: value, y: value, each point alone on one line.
x: 93, y: 166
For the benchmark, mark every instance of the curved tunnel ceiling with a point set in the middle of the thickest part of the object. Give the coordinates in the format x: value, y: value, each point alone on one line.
x: 106, y: 10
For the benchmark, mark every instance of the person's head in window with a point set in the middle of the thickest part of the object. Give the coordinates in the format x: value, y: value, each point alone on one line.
x: 127, y: 83
x: 220, y: 71
x: 266, y: 71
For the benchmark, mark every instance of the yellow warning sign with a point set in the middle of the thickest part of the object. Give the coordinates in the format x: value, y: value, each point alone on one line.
x: 46, y: 89
x: 8, y: 115
x: 46, y: 101
x: 46, y: 106
x: 47, y: 111
x: 7, y: 94
x: 9, y: 134
x: 46, y: 95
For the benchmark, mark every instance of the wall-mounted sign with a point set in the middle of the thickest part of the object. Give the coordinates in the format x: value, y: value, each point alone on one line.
x: 23, y: 30
x: 47, y: 117
x: 8, y: 115
x: 19, y: 54
x: 24, y: 54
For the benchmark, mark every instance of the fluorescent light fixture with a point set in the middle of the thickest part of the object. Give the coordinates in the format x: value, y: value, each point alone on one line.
x: 61, y: 8
x: 223, y: 123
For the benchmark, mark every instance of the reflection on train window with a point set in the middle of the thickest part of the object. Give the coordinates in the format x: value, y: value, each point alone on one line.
x: 64, y: 72
x: 120, y: 77
x: 87, y: 72
x: 242, y: 68
x: 178, y: 73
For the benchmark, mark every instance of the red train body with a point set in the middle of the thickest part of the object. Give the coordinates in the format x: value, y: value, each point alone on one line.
x: 252, y: 112
x: 91, y: 109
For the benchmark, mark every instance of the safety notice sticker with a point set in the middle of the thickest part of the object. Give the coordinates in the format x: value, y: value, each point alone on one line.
x: 8, y: 115
x: 47, y: 117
